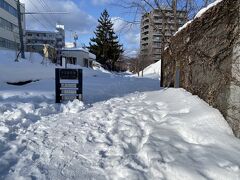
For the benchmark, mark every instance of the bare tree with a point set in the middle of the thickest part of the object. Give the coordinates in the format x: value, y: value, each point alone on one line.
x: 141, y: 8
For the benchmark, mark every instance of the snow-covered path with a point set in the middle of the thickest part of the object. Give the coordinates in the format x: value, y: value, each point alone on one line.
x: 141, y: 136
x: 126, y: 129
x: 22, y: 106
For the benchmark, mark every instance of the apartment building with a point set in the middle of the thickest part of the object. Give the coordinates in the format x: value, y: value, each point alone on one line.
x: 40, y: 37
x: 35, y: 40
x: 156, y: 29
x: 9, y: 31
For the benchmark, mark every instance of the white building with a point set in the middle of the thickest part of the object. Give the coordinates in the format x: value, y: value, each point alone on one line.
x: 9, y: 32
x: 78, y: 56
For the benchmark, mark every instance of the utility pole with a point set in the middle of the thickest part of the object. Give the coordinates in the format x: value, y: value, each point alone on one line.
x: 20, y: 30
x: 19, y: 14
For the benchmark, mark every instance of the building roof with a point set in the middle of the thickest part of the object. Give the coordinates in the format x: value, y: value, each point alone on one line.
x: 92, y: 56
x: 36, y: 31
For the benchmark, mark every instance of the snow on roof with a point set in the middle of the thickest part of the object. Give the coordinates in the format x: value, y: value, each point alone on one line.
x: 199, y: 14
x: 75, y: 49
x: 60, y: 26
x: 91, y: 56
x: 69, y: 45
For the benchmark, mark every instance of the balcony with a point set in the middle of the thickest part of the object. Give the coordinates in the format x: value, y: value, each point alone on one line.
x: 144, y: 35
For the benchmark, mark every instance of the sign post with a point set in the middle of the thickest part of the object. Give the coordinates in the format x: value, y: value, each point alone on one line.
x: 68, y: 84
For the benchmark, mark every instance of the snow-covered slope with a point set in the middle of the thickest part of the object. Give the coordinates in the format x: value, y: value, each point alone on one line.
x: 153, y: 70
x: 34, y: 67
x: 31, y: 68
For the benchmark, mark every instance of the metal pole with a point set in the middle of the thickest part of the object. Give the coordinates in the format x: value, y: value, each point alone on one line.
x: 20, y: 30
x: 161, y: 76
x: 57, y: 86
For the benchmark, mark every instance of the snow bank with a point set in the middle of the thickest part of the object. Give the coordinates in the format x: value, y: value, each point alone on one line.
x: 153, y: 71
x: 198, y: 15
x: 34, y: 68
x: 31, y: 68
x: 167, y: 134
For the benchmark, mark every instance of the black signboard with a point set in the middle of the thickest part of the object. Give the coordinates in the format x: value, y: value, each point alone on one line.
x: 68, y: 74
x: 70, y: 87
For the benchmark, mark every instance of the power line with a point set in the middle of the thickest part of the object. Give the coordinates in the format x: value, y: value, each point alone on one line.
x: 45, y: 13
x: 50, y: 23
x: 36, y: 20
x: 45, y: 6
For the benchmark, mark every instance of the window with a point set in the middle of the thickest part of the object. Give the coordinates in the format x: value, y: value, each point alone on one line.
x: 2, y: 42
x: 157, y: 44
x: 85, y: 62
x: 1, y: 3
x: 158, y: 50
x: 157, y: 18
x: 156, y: 38
x: 8, y: 8
x: 7, y: 25
x: 8, y: 44
x: 72, y: 60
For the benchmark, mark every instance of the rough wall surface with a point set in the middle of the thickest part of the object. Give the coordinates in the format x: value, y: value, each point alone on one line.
x: 207, y: 54
x: 233, y: 115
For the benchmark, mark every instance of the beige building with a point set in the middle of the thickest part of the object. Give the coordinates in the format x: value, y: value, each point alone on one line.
x: 9, y: 32
x: 152, y: 26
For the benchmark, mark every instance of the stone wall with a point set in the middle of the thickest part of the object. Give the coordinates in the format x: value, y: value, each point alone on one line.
x: 207, y: 54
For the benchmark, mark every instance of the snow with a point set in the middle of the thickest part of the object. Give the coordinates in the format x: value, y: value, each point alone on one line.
x: 183, y: 27
x: 126, y: 128
x: 91, y: 56
x: 153, y: 70
x: 203, y: 10
x: 198, y: 15
x: 25, y: 69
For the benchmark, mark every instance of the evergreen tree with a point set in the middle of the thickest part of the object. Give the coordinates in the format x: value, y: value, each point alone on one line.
x: 105, y: 45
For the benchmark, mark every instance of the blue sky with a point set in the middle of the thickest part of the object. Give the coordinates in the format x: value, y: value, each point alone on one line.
x: 82, y: 18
